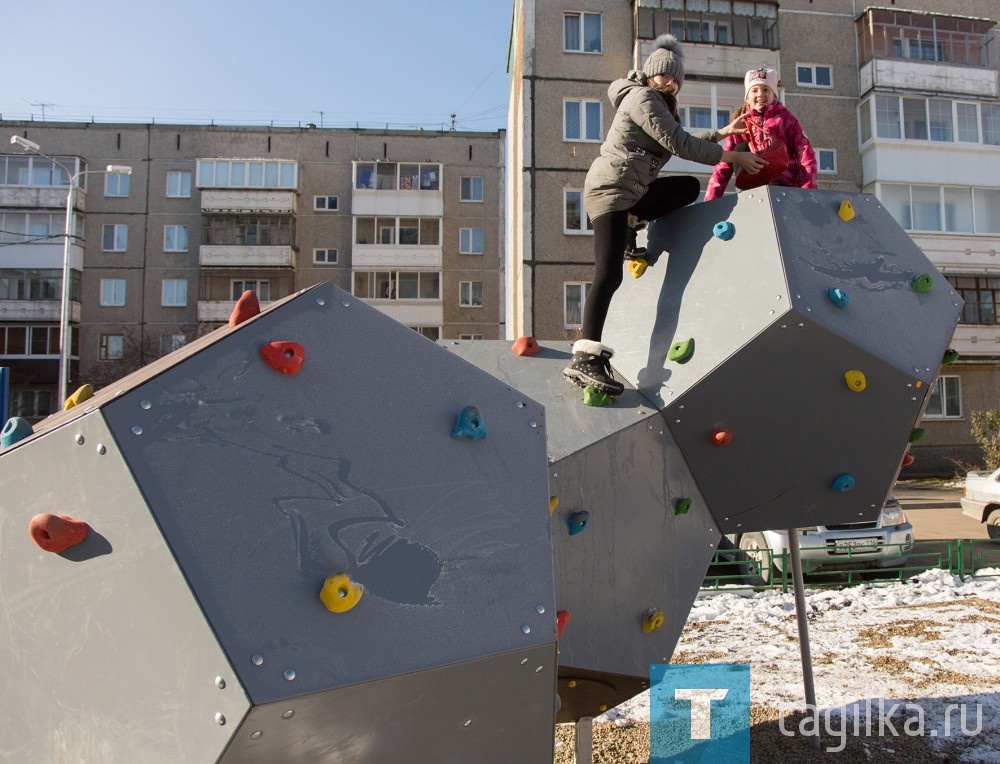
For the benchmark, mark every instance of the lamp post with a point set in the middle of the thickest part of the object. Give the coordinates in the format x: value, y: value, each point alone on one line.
x: 69, y: 232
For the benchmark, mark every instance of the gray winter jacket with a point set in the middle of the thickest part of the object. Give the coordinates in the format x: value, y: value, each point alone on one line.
x: 643, y: 136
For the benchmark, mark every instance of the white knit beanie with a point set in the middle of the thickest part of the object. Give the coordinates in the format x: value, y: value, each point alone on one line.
x: 761, y: 76
x: 666, y: 58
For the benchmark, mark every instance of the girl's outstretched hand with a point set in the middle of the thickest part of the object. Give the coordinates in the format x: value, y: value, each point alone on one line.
x: 736, y: 127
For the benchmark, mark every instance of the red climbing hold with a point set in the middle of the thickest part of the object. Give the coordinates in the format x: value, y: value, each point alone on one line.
x: 57, y: 533
x: 562, y: 618
x: 286, y: 357
x: 246, y: 307
x: 526, y: 346
x: 721, y: 438
x: 908, y: 460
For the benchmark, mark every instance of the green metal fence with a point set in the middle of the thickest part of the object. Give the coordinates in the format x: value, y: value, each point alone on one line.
x: 962, y: 557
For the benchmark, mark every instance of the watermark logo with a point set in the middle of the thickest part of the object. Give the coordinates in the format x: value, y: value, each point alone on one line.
x: 877, y: 717
x: 699, y: 713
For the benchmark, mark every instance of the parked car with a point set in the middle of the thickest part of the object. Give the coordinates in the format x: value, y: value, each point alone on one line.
x: 981, y: 500
x: 882, y: 543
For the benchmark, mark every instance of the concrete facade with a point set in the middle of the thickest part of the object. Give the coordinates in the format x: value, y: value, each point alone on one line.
x: 239, y: 235
x: 548, y: 264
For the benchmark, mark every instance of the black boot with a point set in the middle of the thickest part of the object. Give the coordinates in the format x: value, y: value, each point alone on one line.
x: 632, y: 249
x: 591, y: 367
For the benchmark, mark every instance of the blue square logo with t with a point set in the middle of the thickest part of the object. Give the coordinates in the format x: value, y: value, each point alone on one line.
x: 699, y: 714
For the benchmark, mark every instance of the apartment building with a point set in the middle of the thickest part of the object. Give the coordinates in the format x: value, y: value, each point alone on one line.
x: 410, y: 221
x: 900, y: 101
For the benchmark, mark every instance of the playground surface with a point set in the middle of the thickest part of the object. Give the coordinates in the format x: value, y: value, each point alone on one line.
x: 928, y: 642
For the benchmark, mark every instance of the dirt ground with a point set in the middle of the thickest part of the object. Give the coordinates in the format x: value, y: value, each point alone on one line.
x: 615, y: 744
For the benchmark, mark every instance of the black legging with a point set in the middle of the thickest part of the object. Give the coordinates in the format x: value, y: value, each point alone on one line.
x: 664, y: 195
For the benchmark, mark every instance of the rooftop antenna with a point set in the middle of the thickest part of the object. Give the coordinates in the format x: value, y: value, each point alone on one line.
x: 321, y: 113
x: 39, y: 105
x: 452, y: 121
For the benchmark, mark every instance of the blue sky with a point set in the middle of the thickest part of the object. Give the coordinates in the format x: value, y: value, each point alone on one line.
x: 367, y: 62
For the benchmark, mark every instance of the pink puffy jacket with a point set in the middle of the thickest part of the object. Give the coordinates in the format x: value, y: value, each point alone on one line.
x: 775, y: 123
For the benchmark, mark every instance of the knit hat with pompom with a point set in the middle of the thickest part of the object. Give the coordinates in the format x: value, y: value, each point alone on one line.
x: 666, y: 58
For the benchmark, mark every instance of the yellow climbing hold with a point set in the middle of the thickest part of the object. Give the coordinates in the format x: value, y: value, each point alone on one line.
x: 340, y: 593
x: 571, y: 683
x: 846, y: 211
x: 637, y: 266
x: 855, y: 380
x: 652, y: 619
x: 553, y: 503
x: 602, y: 708
x: 82, y: 393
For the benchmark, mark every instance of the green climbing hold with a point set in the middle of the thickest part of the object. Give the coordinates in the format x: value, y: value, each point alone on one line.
x: 950, y: 357
x: 682, y: 351
x: 917, y: 433
x: 594, y: 397
x: 681, y: 506
x: 922, y: 283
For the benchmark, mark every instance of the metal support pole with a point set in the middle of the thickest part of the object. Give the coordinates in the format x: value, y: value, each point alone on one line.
x: 65, y: 333
x: 795, y: 558
x: 585, y: 740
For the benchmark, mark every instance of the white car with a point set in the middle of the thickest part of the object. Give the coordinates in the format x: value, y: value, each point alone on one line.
x: 981, y: 500
x: 883, y: 543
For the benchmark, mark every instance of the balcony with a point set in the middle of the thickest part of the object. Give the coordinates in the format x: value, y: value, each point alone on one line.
x: 41, y: 197
x: 215, y: 311
x: 242, y: 256
x: 926, y: 76
x: 247, y: 201
x: 17, y: 311
x: 40, y: 256
x: 403, y: 256
x: 412, y: 312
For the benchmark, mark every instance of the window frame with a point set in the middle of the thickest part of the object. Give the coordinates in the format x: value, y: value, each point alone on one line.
x: 111, y: 300
x: 184, y: 179
x: 466, y: 241
x: 119, y: 237
x: 182, y: 229
x: 472, y: 195
x: 581, y: 29
x: 172, y: 285
x: 327, y: 261
x: 814, y: 70
x: 938, y: 389
x: 104, y: 347
x: 819, y: 163
x: 467, y: 294
x: 122, y: 182
x: 586, y: 225
x: 321, y: 203
x: 585, y: 287
x: 581, y: 104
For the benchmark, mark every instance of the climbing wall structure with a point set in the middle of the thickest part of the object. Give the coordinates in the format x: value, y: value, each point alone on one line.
x: 316, y: 535
x: 296, y: 552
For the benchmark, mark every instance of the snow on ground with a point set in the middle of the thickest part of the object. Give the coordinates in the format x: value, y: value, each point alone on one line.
x: 889, y: 658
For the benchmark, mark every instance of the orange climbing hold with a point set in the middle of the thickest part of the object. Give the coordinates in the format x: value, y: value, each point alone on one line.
x: 246, y: 307
x: 562, y: 618
x: 57, y: 533
x: 526, y: 346
x: 285, y: 357
x: 721, y: 437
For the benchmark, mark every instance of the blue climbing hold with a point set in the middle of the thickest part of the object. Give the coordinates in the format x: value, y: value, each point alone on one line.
x: 470, y: 424
x: 577, y: 522
x: 724, y: 230
x: 843, y: 483
x: 838, y: 297
x: 17, y: 428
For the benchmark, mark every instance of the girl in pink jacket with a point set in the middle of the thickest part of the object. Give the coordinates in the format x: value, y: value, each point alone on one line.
x: 767, y: 121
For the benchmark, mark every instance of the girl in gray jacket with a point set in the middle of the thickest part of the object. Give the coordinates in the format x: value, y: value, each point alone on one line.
x: 622, y: 184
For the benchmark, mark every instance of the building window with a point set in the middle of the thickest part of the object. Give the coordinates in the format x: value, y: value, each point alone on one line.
x: 173, y: 293
x: 981, y: 295
x: 411, y: 231
x: 582, y: 32
x: 390, y: 176
x: 945, y: 401
x: 35, y: 340
x: 827, y: 160
x: 114, y: 238
x: 397, y: 285
x: 326, y: 203
x: 472, y: 189
x: 171, y: 342
x: 470, y: 336
x: 582, y: 120
x: 747, y: 24
x: 325, y: 256
x: 967, y: 115
x: 116, y: 184
x: 470, y: 294
x: 111, y: 347
x: 175, y: 238
x: 260, y: 287
x: 814, y: 75
x: 256, y: 173
x: 430, y: 332
x: 700, y: 117
x: 575, y: 217
x: 953, y: 209
x: 888, y: 33
x: 178, y: 184
x: 470, y: 241
x: 574, y: 296
x: 113, y: 292
x: 932, y: 119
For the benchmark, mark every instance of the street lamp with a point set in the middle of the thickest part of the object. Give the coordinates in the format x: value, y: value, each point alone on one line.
x: 69, y: 233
